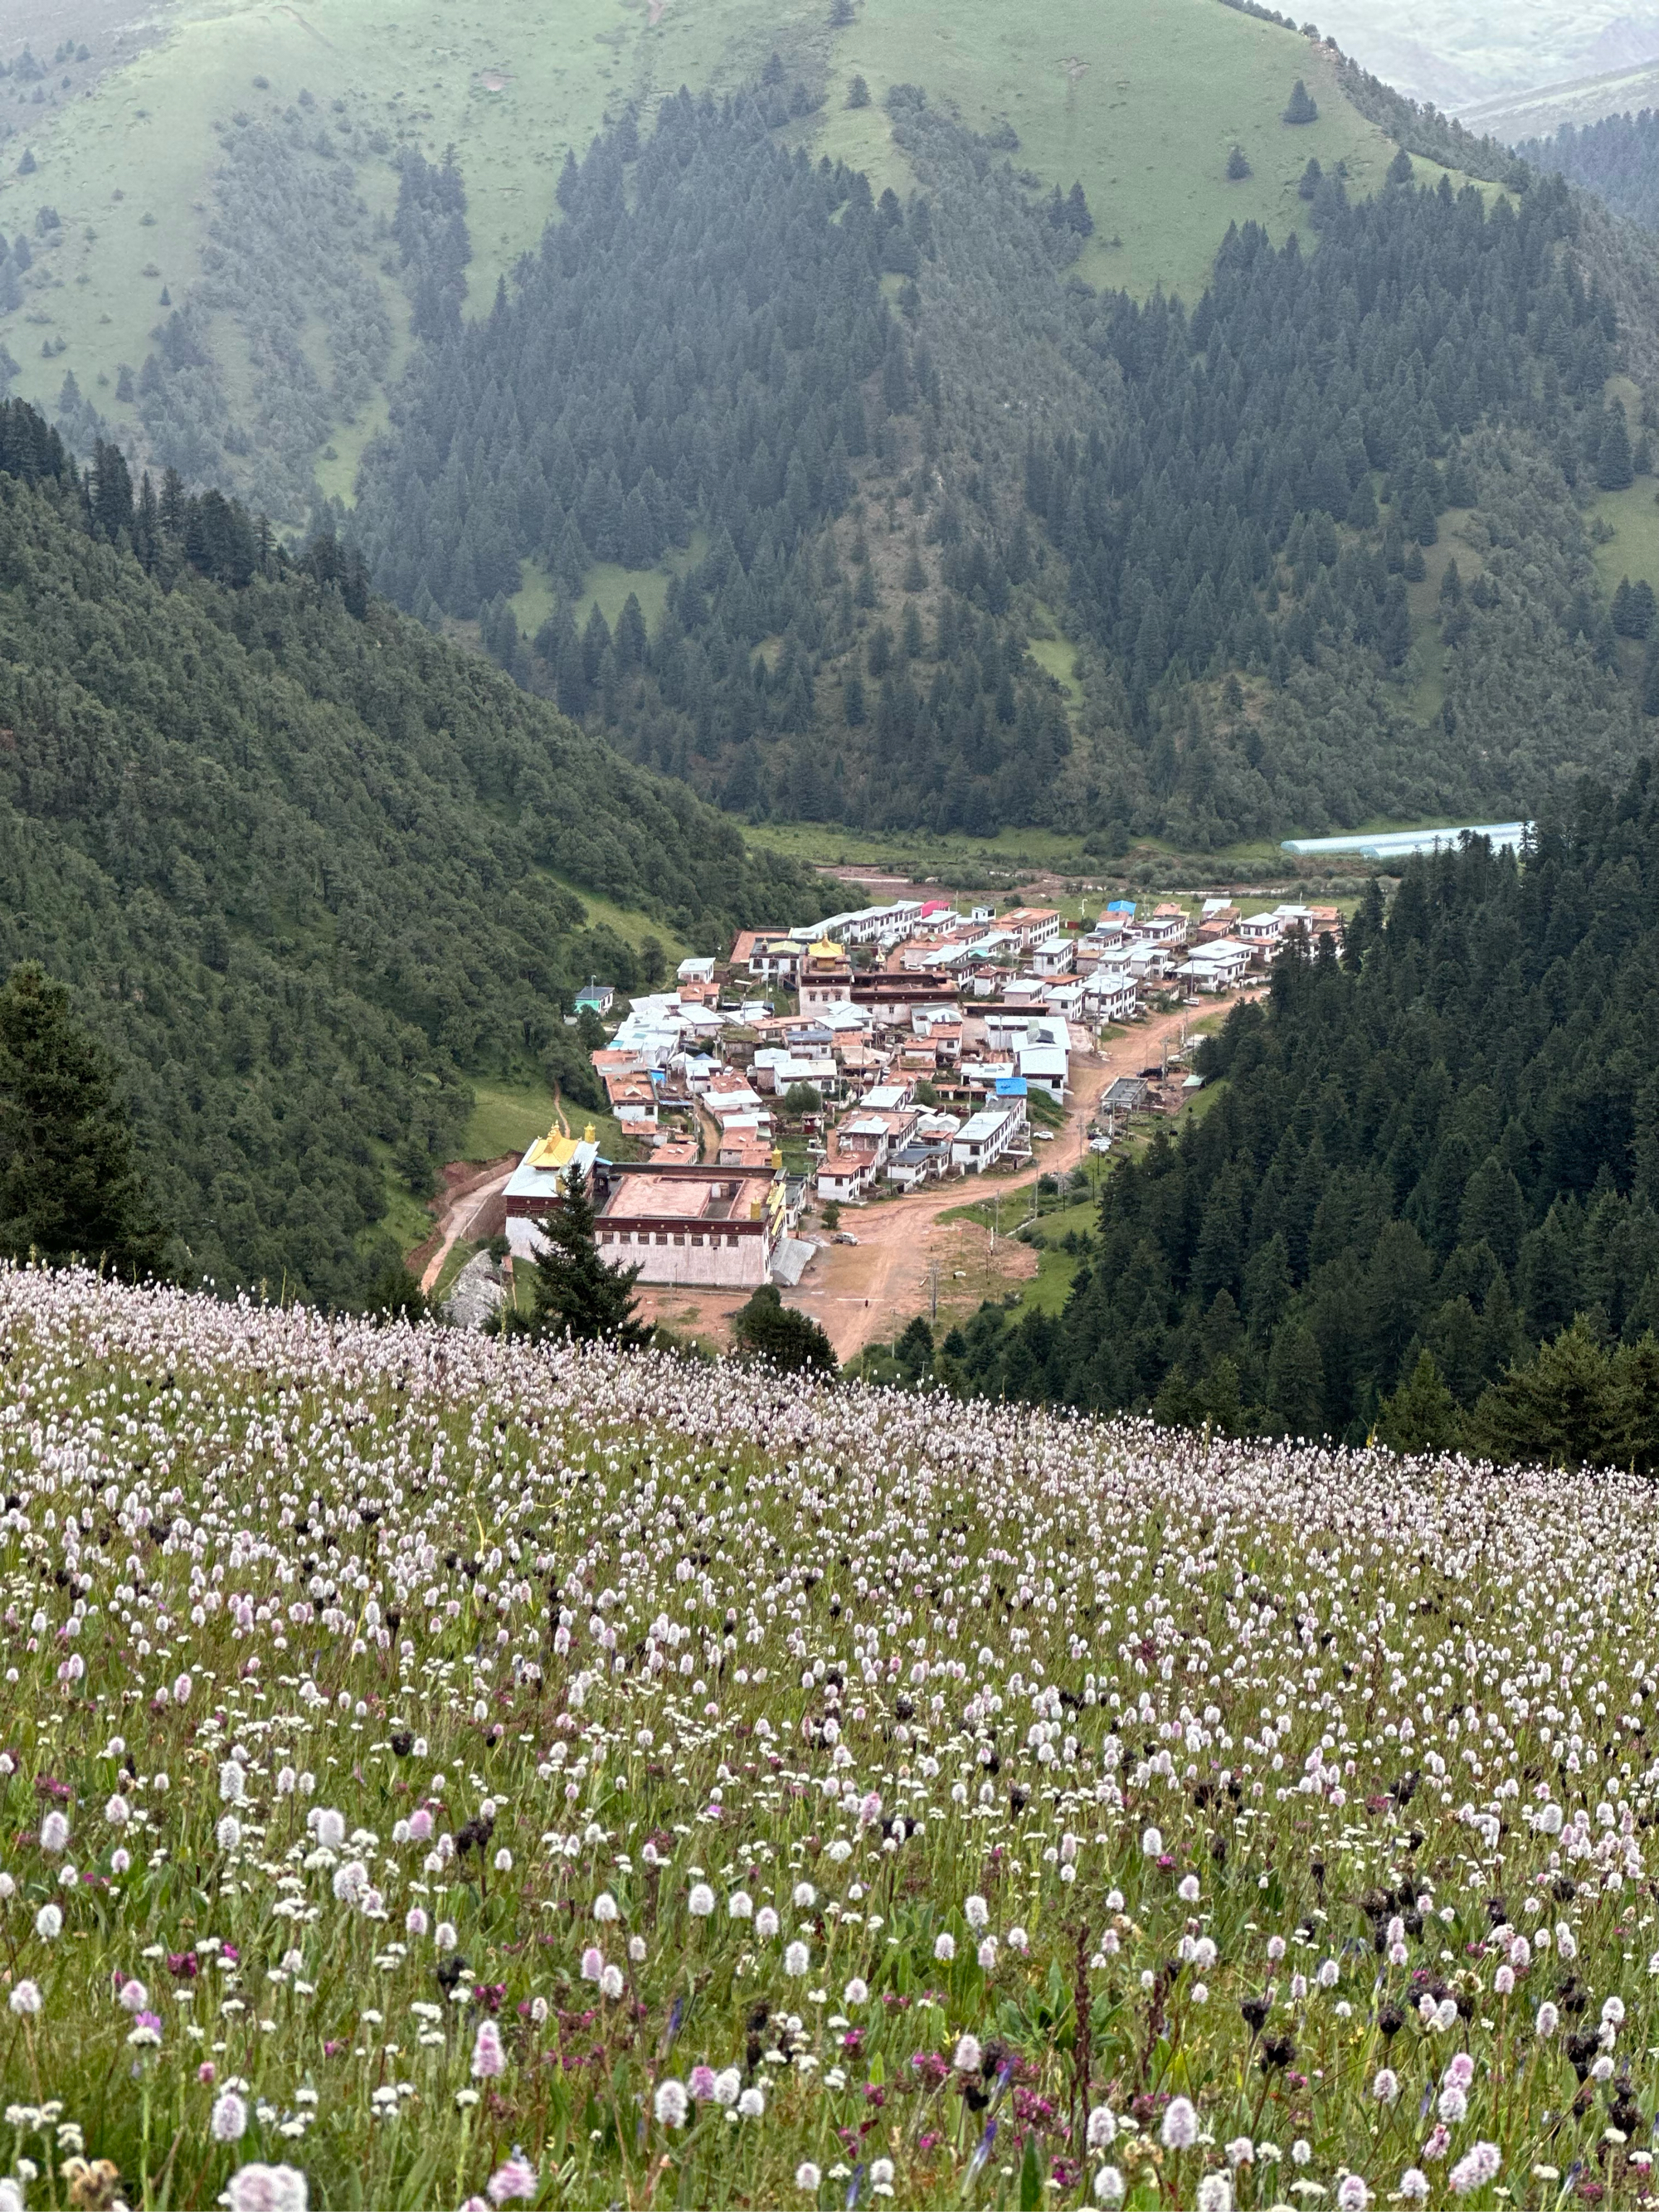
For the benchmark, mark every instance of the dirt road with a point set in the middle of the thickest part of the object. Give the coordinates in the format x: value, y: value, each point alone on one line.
x: 865, y: 1293
x: 458, y: 1218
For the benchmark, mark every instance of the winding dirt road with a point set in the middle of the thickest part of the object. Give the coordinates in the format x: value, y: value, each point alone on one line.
x: 458, y: 1218
x: 863, y: 1293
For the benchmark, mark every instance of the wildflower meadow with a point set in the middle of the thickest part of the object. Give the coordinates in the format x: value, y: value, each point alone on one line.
x: 443, y: 1772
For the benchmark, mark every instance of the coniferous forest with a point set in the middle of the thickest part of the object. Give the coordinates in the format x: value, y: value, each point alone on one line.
x: 1616, y: 158
x: 1447, y: 1141
x: 304, y: 866
x: 875, y: 503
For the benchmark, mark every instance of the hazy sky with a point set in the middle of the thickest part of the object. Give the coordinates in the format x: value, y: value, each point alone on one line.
x: 1457, y: 52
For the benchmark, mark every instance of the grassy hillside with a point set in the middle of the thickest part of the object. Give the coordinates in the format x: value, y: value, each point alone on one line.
x: 755, y: 1793
x: 1140, y: 103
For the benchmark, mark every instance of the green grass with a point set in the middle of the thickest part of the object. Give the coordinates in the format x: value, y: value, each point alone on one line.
x: 460, y: 1253
x: 1139, y: 100
x: 928, y: 852
x: 1423, y: 601
x: 941, y: 858
x: 631, y: 925
x: 606, y: 585
x: 1047, y: 1289
x: 1633, y: 548
x: 1056, y: 657
x: 1140, y: 103
x: 507, y: 1117
x: 407, y: 1220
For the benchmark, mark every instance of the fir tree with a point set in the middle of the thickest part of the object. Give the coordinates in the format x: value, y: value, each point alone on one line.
x: 576, y: 1292
x: 1303, y: 107
x: 1422, y: 1414
x: 70, y: 1186
x: 768, y: 1329
x: 1295, y: 1379
x: 1554, y: 1409
x: 1615, y: 469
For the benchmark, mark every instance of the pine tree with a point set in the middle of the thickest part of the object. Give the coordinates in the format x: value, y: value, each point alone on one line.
x: 1615, y: 469
x: 768, y: 1329
x: 1554, y: 1409
x: 1422, y: 1414
x: 70, y: 1183
x: 1296, y: 1379
x: 1303, y: 107
x: 577, y: 1293
x: 1238, y: 166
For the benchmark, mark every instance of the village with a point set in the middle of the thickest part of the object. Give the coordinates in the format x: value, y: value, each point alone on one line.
x: 825, y: 1072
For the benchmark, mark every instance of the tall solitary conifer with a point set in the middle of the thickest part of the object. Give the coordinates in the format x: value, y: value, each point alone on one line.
x: 576, y: 1292
x: 69, y: 1183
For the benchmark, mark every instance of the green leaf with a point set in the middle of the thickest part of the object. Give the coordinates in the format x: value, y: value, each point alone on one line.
x: 1031, y: 2180
x: 417, y: 2189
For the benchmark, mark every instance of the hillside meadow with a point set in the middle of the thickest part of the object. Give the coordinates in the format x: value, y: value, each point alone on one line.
x: 443, y: 1772
x: 1141, y: 104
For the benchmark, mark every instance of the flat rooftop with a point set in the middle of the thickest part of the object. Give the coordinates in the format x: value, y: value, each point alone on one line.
x: 641, y: 1197
x: 726, y: 1192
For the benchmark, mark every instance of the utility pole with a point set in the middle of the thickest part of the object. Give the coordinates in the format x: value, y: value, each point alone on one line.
x: 933, y: 1281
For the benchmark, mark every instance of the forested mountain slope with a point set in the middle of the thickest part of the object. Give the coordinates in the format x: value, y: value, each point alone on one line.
x: 1318, y: 539
x: 298, y: 858
x: 1616, y: 159
x: 1449, y: 1138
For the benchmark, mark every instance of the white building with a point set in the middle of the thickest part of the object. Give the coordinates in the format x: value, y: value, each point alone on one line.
x: 865, y: 925
x: 1221, y: 966
x: 1045, y: 1067
x: 845, y: 1176
x: 983, y: 1139
x: 1111, y: 995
